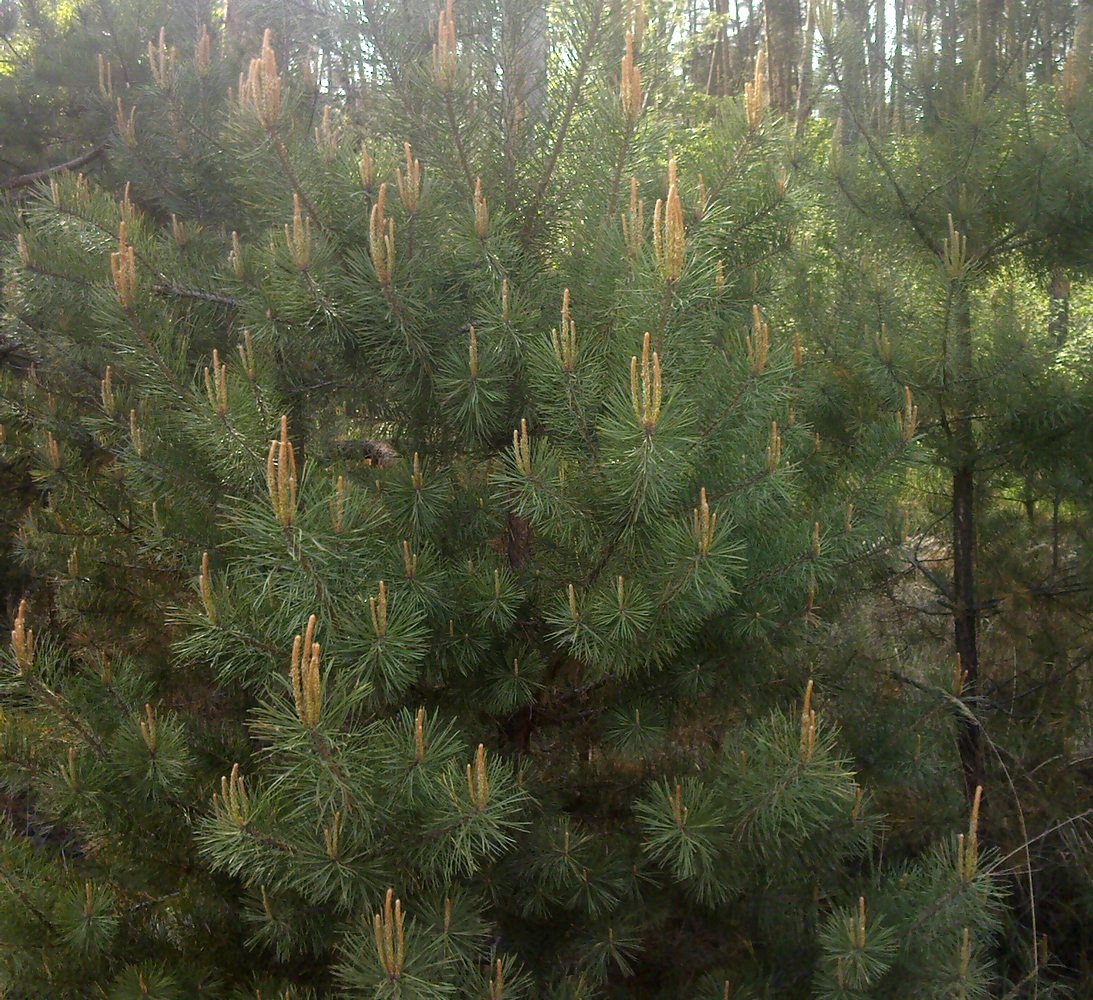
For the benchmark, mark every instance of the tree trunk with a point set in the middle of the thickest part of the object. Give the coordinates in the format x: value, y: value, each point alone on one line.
x: 1059, y: 331
x: 877, y: 68
x: 751, y: 52
x: 964, y: 542
x: 1059, y: 308
x: 854, y: 72
x: 724, y: 68
x: 1030, y: 499
x: 965, y: 618
x: 526, y: 96
x: 949, y: 35
x: 1047, y: 45
x: 781, y: 22
x: 804, y: 71
x: 717, y: 82
x: 897, y: 71
x: 1056, y: 500
x: 988, y: 17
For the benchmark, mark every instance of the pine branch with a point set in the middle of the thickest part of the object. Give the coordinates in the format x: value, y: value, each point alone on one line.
x: 25, y: 900
x: 457, y: 138
x: 26, y: 180
x: 616, y: 176
x: 292, y: 178
x: 881, y: 160
x: 170, y: 289
x: 60, y: 705
x: 567, y: 116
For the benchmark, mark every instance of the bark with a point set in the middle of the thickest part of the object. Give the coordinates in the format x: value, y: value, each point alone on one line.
x: 518, y: 542
x: 949, y: 32
x: 1056, y: 500
x: 855, y: 103
x: 1058, y: 330
x: 781, y: 22
x: 804, y: 71
x: 988, y: 20
x: 732, y: 51
x: 1059, y: 308
x: 964, y: 542
x: 1047, y: 45
x: 725, y: 51
x: 877, y: 70
x: 717, y: 74
x: 965, y: 618
x: 897, y: 70
x: 26, y: 180
x: 747, y: 66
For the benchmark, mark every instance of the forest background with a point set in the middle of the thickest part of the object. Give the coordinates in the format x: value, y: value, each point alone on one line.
x: 614, y: 476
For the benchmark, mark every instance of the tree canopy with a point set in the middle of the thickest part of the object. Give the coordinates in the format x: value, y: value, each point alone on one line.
x: 585, y: 501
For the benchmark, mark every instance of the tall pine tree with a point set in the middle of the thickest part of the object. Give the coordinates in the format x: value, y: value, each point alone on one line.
x: 435, y: 547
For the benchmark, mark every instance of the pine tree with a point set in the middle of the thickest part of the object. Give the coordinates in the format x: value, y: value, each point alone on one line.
x: 942, y: 264
x: 55, y: 62
x: 434, y: 563
x: 50, y: 74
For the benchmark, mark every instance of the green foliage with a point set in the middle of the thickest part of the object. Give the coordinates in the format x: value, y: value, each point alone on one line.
x: 432, y: 565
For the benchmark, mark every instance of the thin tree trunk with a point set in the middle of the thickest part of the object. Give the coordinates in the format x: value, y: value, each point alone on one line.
x: 1056, y: 500
x: 711, y: 69
x: 725, y: 63
x: 532, y: 62
x: 854, y: 73
x: 1059, y: 308
x: 964, y: 542
x: 717, y: 81
x: 804, y: 71
x: 988, y: 18
x: 965, y: 617
x: 753, y: 39
x: 897, y: 71
x: 877, y: 83
x: 1047, y: 45
x: 1059, y: 330
x: 781, y: 21
x: 949, y: 34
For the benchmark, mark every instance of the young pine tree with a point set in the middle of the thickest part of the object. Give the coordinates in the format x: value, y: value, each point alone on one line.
x: 943, y: 264
x: 428, y: 565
